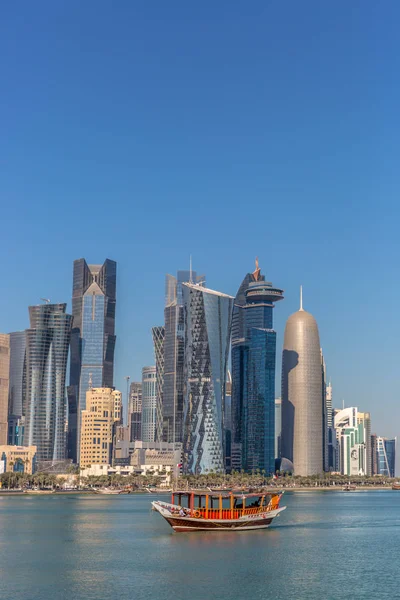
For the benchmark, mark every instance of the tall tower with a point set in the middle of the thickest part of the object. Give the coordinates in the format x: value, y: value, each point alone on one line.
x: 149, y: 404
x: 92, y: 338
x: 302, y: 416
x: 47, y: 345
x: 158, y: 342
x: 208, y: 318
x: 4, y: 385
x: 253, y: 372
x: 174, y: 340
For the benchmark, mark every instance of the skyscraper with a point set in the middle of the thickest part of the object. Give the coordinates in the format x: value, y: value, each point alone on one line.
x: 158, y: 341
x: 253, y: 371
x: 4, y: 385
x: 302, y: 416
x: 386, y: 456
x: 135, y: 411
x: 208, y: 318
x: 47, y: 345
x: 149, y: 404
x: 353, y: 432
x: 16, y: 417
x: 174, y: 340
x: 92, y: 338
x: 278, y: 426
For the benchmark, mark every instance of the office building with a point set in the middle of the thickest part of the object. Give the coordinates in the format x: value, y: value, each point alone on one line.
x: 149, y: 404
x: 374, y: 455
x: 174, y: 341
x: 92, y: 338
x: 364, y: 419
x: 302, y: 410
x: 16, y: 397
x: 4, y: 385
x: 102, y: 412
x: 208, y: 318
x: 253, y: 372
x: 158, y: 341
x: 386, y: 456
x: 278, y: 426
x: 135, y: 411
x: 47, y: 345
x: 353, y: 447
x: 228, y: 423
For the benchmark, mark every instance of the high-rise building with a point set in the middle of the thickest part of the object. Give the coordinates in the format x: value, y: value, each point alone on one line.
x: 364, y: 419
x: 149, y: 404
x: 92, y: 338
x: 158, y: 341
x: 228, y: 423
x: 374, y: 455
x: 278, y: 426
x: 386, y: 456
x: 354, y: 446
x: 47, y: 345
x: 174, y: 341
x: 302, y: 411
x: 4, y: 386
x: 102, y: 412
x: 253, y: 372
x: 16, y: 417
x: 208, y: 318
x: 135, y: 411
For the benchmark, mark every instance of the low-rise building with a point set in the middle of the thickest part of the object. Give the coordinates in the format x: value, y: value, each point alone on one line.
x: 18, y: 459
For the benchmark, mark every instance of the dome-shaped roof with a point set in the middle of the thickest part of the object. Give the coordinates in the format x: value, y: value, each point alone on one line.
x: 301, y: 316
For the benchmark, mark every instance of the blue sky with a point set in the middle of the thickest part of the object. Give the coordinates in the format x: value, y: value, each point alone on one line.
x: 146, y: 132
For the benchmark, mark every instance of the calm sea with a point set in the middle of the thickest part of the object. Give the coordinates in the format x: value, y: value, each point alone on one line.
x: 325, y: 545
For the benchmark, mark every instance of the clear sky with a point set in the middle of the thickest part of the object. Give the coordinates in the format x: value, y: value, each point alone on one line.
x: 148, y: 131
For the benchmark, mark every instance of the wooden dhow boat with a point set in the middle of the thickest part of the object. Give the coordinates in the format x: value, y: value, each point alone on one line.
x: 211, y: 511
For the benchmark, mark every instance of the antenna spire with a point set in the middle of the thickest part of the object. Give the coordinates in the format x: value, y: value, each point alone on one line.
x: 190, y: 270
x: 301, y: 297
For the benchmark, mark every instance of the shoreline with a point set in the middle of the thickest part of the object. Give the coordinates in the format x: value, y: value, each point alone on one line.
x: 377, y: 488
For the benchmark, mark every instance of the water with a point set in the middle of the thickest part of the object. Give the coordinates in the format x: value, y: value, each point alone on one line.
x: 330, y: 545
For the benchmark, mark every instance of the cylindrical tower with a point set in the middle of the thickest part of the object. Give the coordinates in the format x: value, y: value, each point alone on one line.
x: 302, y: 394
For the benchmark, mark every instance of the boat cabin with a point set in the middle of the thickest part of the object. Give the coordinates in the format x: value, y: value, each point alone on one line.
x: 214, y: 505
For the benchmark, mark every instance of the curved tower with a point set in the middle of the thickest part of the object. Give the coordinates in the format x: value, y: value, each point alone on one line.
x: 302, y: 394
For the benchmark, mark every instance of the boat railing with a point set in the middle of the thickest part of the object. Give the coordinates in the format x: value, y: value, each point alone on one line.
x: 231, y: 513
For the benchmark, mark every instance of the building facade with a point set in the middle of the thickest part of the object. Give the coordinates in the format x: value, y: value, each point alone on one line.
x: 158, y: 342
x: 253, y: 372
x: 174, y: 342
x: 386, y: 456
x: 16, y: 398
x: 278, y: 426
x: 208, y: 318
x: 354, y: 449
x: 149, y: 404
x: 135, y: 411
x: 18, y: 459
x: 102, y: 413
x: 364, y: 419
x: 302, y: 410
x: 92, y: 339
x: 47, y: 346
x: 4, y: 385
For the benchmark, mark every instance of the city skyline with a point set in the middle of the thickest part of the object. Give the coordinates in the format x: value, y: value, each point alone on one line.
x: 284, y: 127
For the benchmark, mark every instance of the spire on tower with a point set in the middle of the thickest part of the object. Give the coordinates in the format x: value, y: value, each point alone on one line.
x: 301, y: 297
x: 256, y: 272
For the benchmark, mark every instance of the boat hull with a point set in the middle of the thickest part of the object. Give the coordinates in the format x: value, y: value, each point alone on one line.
x: 191, y: 524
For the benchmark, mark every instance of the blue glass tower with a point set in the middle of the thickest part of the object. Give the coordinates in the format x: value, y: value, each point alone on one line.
x: 253, y: 373
x: 92, y: 338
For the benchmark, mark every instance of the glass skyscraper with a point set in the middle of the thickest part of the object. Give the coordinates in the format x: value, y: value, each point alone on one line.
x: 208, y: 318
x: 253, y: 372
x: 47, y: 345
x: 386, y: 456
x: 4, y: 385
x: 158, y: 341
x: 149, y: 404
x: 174, y: 340
x: 92, y: 338
x: 16, y: 417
